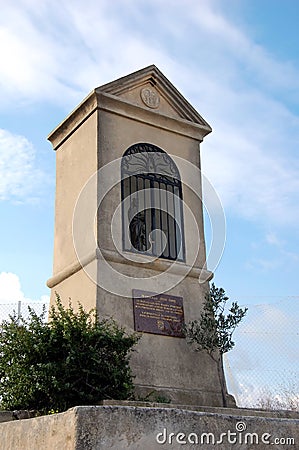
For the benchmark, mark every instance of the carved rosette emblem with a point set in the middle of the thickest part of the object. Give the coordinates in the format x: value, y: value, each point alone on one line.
x: 150, y: 98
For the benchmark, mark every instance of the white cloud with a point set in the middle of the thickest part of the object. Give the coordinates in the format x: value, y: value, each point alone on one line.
x: 267, y: 339
x: 19, y: 176
x: 273, y: 253
x: 255, y: 174
x: 210, y: 16
x: 11, y: 293
x: 273, y: 239
x: 49, y: 51
x: 59, y: 55
x: 11, y: 290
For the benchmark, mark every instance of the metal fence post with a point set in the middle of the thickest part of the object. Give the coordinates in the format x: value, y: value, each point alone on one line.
x: 19, y: 310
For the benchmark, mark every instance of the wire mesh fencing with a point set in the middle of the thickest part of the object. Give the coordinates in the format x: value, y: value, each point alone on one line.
x: 21, y: 308
x: 263, y: 368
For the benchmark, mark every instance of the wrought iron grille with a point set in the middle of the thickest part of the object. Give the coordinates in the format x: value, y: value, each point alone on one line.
x: 152, y: 203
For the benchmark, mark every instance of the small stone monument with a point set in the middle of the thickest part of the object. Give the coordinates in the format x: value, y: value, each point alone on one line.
x: 129, y: 236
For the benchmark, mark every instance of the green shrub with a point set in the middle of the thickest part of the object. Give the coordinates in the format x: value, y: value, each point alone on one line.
x: 74, y: 359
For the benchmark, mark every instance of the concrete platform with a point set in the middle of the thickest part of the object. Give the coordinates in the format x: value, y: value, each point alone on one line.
x: 135, y: 425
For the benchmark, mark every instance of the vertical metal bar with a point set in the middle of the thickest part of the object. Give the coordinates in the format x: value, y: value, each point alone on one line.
x: 162, y: 218
x: 122, y: 210
x: 153, y: 217
x: 126, y: 220
x: 144, y: 213
x: 177, y: 203
x: 160, y: 224
x: 171, y: 230
x: 175, y: 218
x: 165, y: 227
x: 168, y: 227
x: 19, y: 310
x: 182, y: 222
x: 157, y: 217
x: 129, y: 244
x: 132, y: 180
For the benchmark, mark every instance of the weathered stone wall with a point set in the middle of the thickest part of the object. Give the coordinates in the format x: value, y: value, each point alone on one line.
x: 150, y: 428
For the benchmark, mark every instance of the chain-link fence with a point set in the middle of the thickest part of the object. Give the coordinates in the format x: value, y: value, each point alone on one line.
x: 20, y: 308
x: 263, y: 368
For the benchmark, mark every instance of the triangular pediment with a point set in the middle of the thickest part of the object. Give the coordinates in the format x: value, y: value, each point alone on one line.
x: 150, y: 89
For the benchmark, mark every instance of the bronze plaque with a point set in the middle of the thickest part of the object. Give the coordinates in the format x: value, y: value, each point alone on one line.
x: 158, y: 313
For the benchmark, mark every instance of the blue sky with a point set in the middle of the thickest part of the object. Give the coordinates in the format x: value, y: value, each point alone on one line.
x: 237, y: 62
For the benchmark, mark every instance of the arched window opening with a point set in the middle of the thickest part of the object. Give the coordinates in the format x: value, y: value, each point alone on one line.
x: 152, y: 213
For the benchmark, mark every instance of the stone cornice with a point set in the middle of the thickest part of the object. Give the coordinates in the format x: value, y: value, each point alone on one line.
x: 159, y: 265
x: 73, y: 121
x: 121, y: 107
x: 107, y: 98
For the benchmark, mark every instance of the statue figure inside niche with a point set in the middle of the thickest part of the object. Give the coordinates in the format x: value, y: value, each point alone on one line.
x: 137, y: 227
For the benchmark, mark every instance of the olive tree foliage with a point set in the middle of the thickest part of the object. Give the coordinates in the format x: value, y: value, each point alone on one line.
x: 214, y: 329
x: 72, y: 359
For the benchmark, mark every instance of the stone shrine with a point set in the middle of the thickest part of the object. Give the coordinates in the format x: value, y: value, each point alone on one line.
x: 129, y: 235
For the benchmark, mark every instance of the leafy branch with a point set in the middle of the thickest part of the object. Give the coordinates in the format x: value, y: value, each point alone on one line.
x: 213, y: 331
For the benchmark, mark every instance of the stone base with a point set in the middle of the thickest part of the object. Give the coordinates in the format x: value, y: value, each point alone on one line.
x: 131, y: 425
x: 181, y: 396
